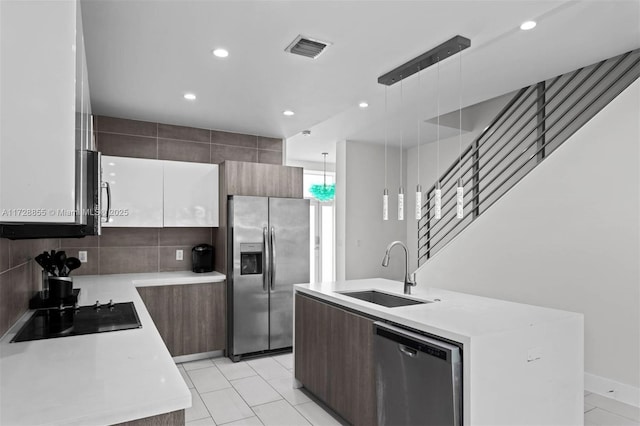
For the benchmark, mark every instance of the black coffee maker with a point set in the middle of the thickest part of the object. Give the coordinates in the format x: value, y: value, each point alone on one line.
x: 202, y: 258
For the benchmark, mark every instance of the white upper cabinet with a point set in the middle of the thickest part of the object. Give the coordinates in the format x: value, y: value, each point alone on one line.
x: 190, y: 194
x: 156, y: 193
x: 136, y: 191
x: 39, y: 51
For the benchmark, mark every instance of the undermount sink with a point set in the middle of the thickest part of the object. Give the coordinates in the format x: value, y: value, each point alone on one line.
x: 384, y: 299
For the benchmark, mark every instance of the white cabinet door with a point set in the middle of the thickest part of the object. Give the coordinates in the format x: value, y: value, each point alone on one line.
x: 190, y: 194
x: 136, y: 191
x: 37, y: 107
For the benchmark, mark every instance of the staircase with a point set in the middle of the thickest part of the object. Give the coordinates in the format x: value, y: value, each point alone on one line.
x: 529, y: 128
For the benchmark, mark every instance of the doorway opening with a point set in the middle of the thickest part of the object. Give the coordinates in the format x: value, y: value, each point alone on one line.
x: 321, y: 229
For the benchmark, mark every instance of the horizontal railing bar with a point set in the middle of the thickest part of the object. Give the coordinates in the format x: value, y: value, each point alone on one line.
x: 486, y: 151
x: 429, y: 232
x: 515, y: 98
x: 541, y: 135
x: 487, y: 162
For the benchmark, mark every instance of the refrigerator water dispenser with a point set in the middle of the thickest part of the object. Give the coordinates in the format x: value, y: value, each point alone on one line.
x: 251, y: 259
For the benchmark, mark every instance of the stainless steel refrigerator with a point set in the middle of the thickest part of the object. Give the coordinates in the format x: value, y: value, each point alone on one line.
x: 268, y: 252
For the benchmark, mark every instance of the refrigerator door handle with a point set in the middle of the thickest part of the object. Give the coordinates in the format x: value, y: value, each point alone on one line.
x: 265, y: 249
x: 273, y: 257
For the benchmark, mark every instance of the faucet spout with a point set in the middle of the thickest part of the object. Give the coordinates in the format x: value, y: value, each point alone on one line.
x: 408, y: 280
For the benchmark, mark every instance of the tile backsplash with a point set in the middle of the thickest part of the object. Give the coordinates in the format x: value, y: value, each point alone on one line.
x: 20, y: 276
x: 130, y: 250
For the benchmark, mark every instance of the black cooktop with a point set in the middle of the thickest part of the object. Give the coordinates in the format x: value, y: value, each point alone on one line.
x: 74, y: 321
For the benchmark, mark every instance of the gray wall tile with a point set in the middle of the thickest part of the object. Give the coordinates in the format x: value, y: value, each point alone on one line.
x: 89, y: 241
x: 269, y: 157
x: 220, y: 153
x: 234, y: 139
x: 272, y: 144
x: 5, y: 254
x: 125, y: 126
x: 168, y: 260
x: 184, y: 236
x: 24, y: 250
x: 127, y: 145
x: 177, y: 150
x: 129, y: 237
x: 17, y: 286
x: 92, y: 266
x: 168, y: 131
x: 122, y: 260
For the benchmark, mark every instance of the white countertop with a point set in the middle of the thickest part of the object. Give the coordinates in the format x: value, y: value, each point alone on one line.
x: 95, y: 379
x: 457, y: 316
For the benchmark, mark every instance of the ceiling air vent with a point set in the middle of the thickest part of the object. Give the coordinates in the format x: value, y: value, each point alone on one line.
x: 305, y: 46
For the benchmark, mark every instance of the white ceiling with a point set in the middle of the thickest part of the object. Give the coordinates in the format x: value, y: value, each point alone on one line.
x: 144, y: 55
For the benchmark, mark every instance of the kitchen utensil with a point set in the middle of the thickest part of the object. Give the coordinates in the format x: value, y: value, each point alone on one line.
x: 46, y: 262
x: 72, y: 263
x: 59, y: 260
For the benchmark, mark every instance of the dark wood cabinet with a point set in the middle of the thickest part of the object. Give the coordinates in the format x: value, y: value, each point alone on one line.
x: 334, y: 358
x: 191, y: 318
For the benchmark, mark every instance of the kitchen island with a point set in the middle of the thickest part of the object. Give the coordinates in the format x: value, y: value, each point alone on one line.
x: 521, y: 364
x: 97, y: 379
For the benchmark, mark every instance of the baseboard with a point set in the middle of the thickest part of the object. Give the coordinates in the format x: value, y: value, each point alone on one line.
x: 612, y: 389
x: 196, y: 357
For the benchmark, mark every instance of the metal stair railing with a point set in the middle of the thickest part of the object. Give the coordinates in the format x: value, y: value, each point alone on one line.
x: 528, y: 129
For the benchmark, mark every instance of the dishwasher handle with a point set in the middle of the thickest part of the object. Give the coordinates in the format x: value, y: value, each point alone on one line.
x: 406, y: 350
x: 410, y: 343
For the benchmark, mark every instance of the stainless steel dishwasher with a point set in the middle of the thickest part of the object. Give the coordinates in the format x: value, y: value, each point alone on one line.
x: 418, y: 379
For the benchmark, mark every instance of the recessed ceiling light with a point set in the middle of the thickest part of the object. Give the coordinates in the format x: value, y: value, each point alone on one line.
x: 363, y: 104
x: 528, y: 25
x: 221, y: 53
x: 288, y: 113
x: 190, y: 96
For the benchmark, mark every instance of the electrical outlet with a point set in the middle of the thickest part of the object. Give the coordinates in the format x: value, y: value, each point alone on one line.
x: 82, y: 256
x: 179, y: 254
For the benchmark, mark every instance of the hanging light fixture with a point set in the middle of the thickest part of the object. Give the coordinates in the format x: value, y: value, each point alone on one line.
x: 385, y: 193
x: 323, y: 192
x: 401, y: 190
x: 438, y: 191
x: 449, y: 48
x: 419, y: 187
x: 460, y: 189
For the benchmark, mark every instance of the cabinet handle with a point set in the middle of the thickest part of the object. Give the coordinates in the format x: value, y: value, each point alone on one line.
x: 408, y: 351
x: 265, y: 269
x: 108, y: 188
x: 273, y: 256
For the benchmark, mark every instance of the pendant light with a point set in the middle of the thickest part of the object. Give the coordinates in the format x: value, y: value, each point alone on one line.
x: 401, y: 190
x: 438, y: 191
x: 323, y: 192
x: 419, y: 187
x: 460, y: 189
x: 385, y: 194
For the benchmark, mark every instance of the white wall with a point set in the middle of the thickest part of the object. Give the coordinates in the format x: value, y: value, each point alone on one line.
x: 567, y: 236
x: 361, y: 234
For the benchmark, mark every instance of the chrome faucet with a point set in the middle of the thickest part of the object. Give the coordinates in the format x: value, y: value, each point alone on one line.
x: 409, y: 281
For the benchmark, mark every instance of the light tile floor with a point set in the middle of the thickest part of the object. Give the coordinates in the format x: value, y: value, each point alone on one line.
x: 260, y: 392
x: 254, y: 392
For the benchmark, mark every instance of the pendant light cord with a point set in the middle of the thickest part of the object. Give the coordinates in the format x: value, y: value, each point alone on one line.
x: 386, y: 131
x: 419, y: 124
x: 324, y: 154
x: 438, y: 123
x: 460, y: 117
x: 401, y: 128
